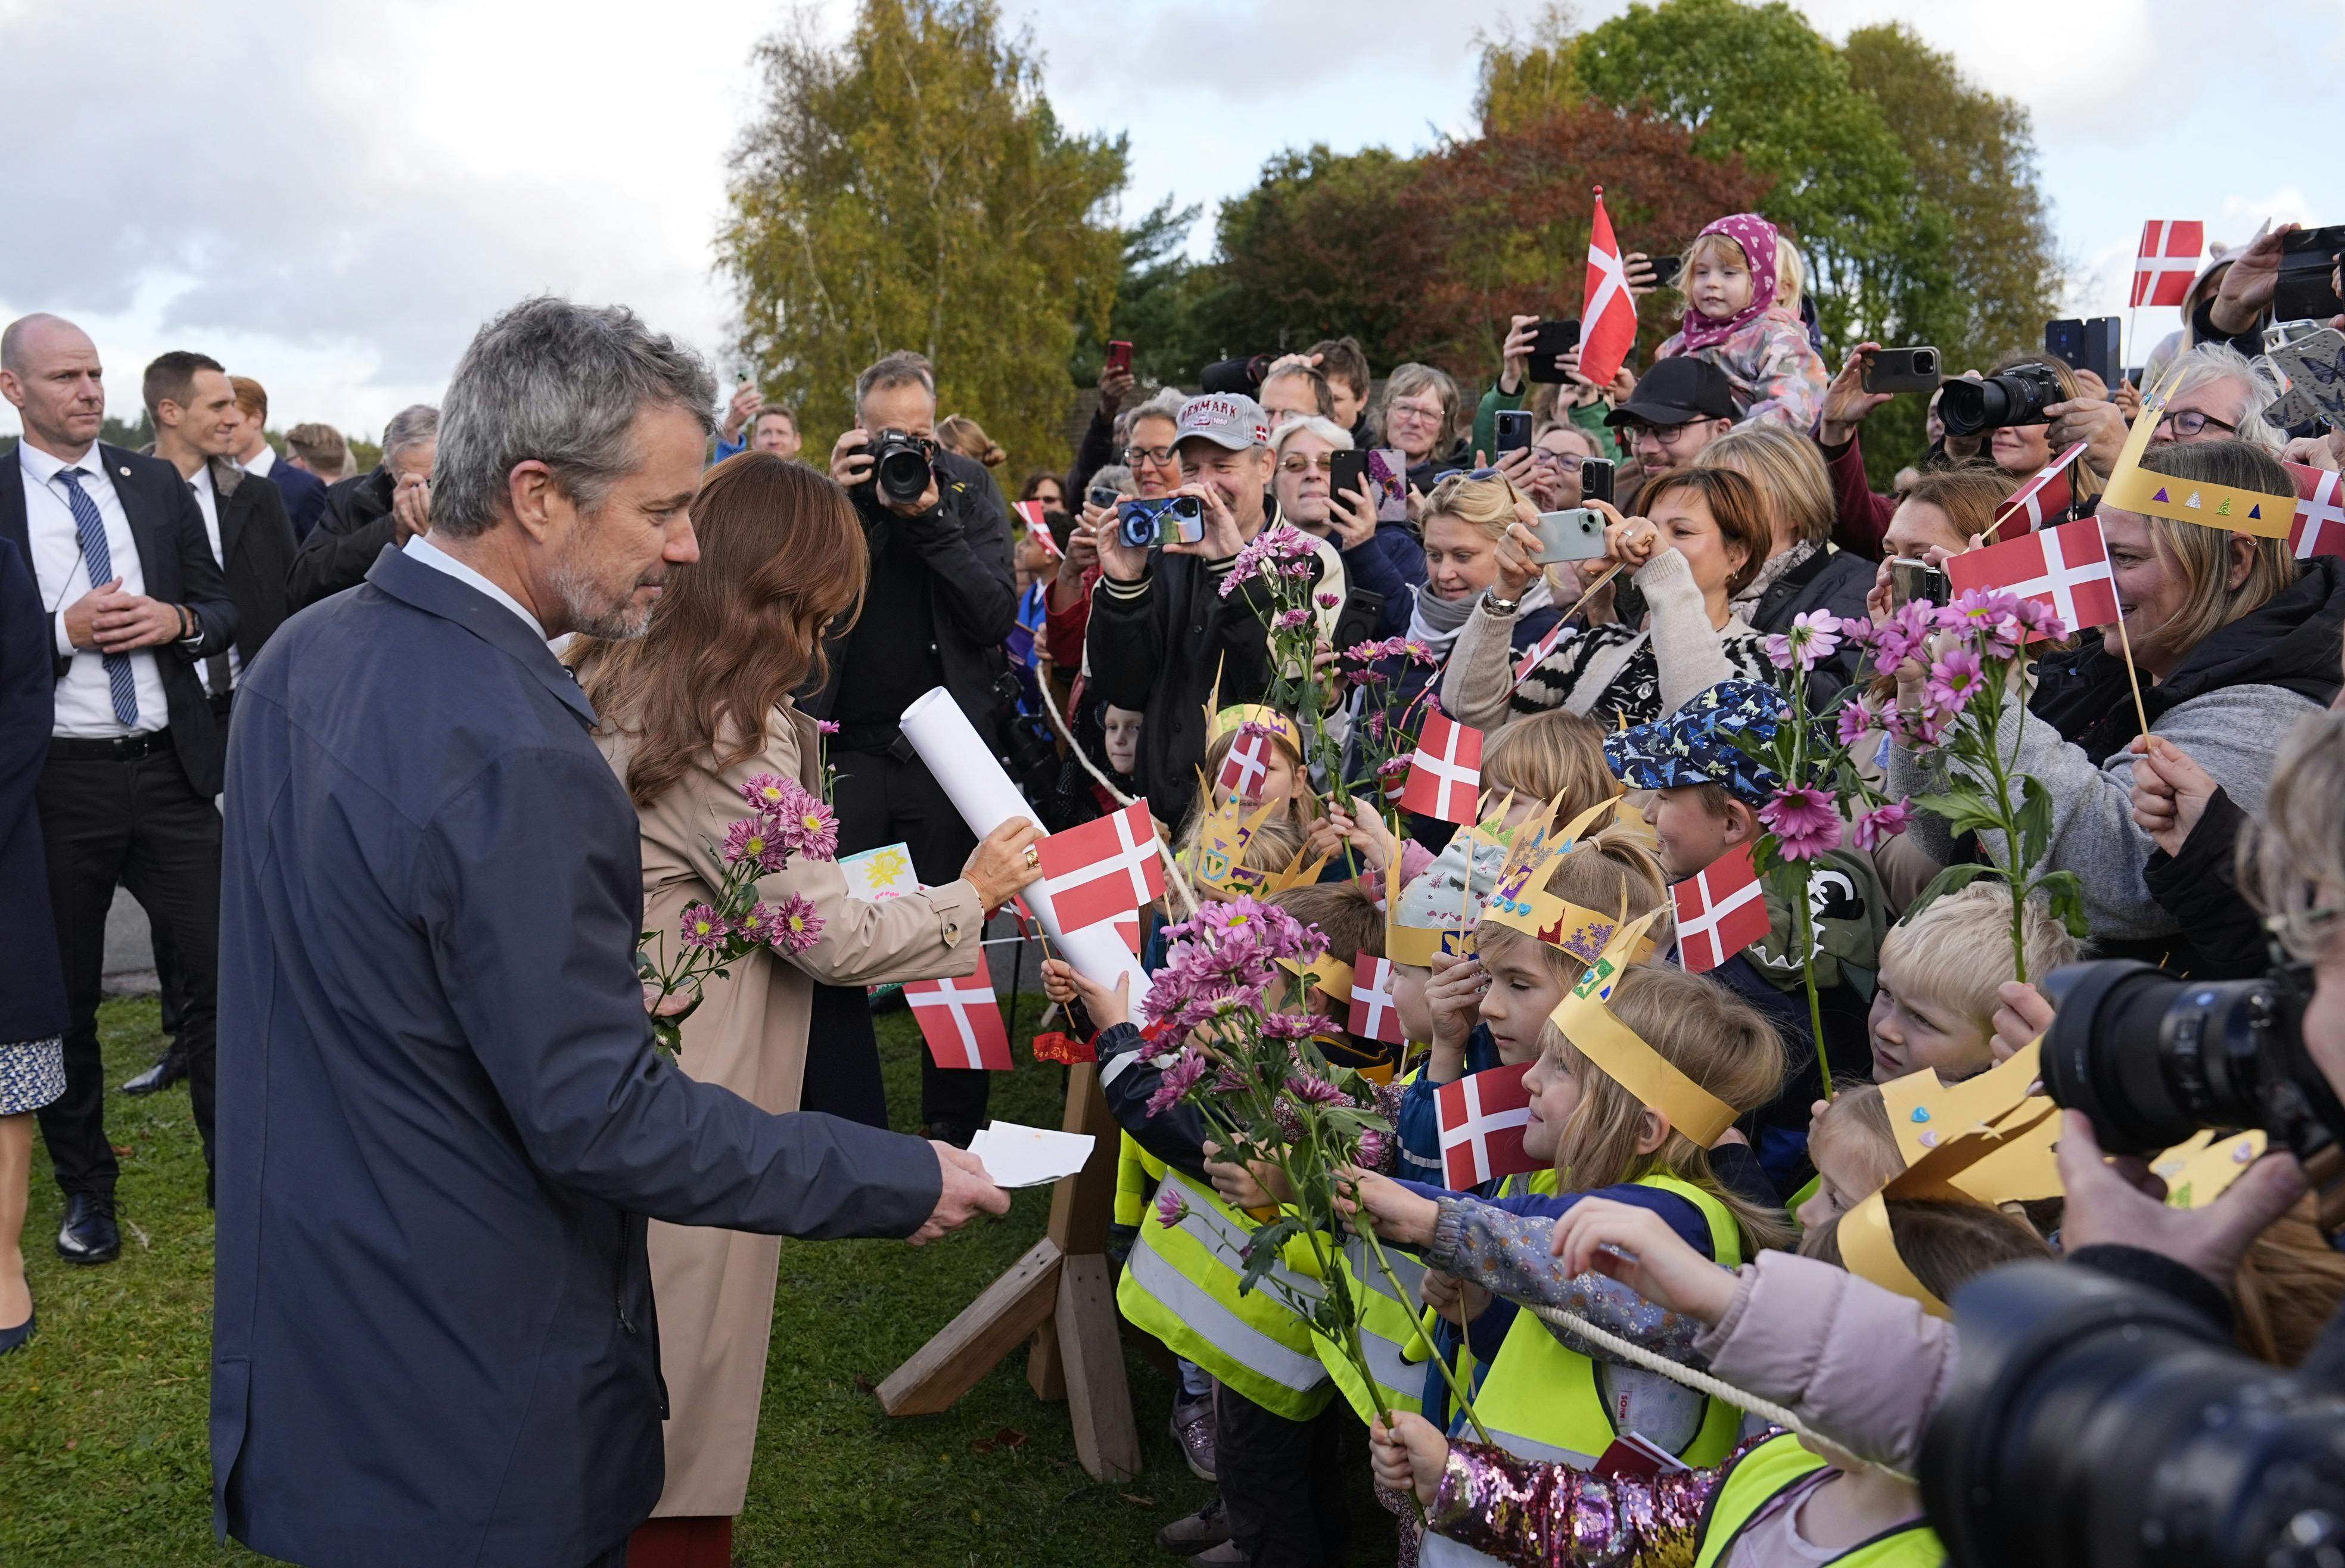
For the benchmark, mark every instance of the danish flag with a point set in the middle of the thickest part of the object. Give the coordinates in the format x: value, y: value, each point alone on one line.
x: 2044, y: 497
x: 1247, y: 764
x: 1540, y: 650
x: 1608, y: 319
x: 1720, y: 911
x: 1482, y: 1119
x: 2067, y: 568
x: 1444, y: 777
x: 1103, y: 868
x: 2320, y: 526
x: 1372, y: 1016
x: 1037, y: 529
x: 2166, y: 261
x: 1127, y: 930
x: 962, y: 1022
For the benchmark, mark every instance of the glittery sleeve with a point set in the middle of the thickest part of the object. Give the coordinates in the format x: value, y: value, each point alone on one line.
x: 1507, y: 1255
x: 1547, y: 1515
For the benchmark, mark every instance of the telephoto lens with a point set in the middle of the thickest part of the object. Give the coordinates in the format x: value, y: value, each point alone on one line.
x: 900, y: 466
x: 2014, y: 397
x: 2096, y: 1423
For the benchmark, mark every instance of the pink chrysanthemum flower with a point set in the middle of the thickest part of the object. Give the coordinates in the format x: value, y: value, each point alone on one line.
x: 1955, y: 679
x: 702, y: 928
x: 1171, y: 1208
x: 755, y: 840
x: 796, y: 925
x: 755, y: 924
x: 1804, y: 820
x: 768, y: 792
x: 1875, y: 828
x: 1185, y: 1073
x: 810, y: 828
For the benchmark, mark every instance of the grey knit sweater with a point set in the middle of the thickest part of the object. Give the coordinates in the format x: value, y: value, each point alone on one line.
x: 2231, y: 733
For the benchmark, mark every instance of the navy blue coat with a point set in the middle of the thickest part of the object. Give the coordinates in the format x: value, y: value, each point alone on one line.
x: 33, y: 980
x: 304, y: 493
x: 442, y: 1124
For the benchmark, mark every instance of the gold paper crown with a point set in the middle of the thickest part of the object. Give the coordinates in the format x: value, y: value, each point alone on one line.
x: 1239, y: 715
x: 1415, y: 944
x: 1218, y: 859
x: 2132, y: 488
x: 1620, y: 1054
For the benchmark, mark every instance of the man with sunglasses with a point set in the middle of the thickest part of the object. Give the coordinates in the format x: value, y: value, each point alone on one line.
x: 1679, y: 407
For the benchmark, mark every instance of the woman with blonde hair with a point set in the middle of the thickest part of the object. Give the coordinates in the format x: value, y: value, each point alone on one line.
x: 690, y: 711
x: 958, y: 432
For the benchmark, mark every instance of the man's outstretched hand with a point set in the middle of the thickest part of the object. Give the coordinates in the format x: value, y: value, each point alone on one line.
x: 968, y: 1191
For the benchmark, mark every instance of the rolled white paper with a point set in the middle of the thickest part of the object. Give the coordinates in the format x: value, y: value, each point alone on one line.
x: 973, y: 780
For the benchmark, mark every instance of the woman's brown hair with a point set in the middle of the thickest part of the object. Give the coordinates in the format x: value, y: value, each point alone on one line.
x: 1968, y: 493
x: 782, y: 561
x: 1734, y: 505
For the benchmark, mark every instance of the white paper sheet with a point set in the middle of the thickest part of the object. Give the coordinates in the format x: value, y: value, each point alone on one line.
x: 973, y: 780
x: 1017, y: 1156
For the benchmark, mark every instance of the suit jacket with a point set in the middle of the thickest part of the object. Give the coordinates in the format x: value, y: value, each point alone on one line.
x: 256, y: 554
x: 176, y: 555
x: 304, y: 493
x: 443, y: 1125
x: 351, y: 532
x: 33, y: 999
x: 716, y: 1288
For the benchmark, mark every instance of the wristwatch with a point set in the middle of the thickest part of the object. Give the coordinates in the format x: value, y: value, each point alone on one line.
x: 1498, y: 606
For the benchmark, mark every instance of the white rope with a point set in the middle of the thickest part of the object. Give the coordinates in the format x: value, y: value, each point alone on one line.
x: 1636, y: 1355
x: 1057, y: 722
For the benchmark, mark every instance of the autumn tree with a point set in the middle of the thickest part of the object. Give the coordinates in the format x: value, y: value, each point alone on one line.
x: 912, y: 189
x: 1499, y: 226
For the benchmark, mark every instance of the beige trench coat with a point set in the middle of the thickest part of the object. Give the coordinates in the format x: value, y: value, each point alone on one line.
x: 715, y: 1289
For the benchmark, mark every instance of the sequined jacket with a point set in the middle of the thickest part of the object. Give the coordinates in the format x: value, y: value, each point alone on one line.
x: 1542, y: 1515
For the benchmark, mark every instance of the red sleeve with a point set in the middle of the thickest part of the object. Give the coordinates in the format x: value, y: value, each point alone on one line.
x: 1863, y: 515
x: 1062, y: 629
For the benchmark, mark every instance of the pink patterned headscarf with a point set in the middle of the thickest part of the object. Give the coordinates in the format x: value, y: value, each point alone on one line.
x: 1756, y: 235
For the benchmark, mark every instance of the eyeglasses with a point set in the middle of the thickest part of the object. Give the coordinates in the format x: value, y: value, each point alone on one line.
x: 1160, y: 456
x: 1414, y: 410
x: 1307, y: 465
x: 1667, y: 435
x: 1567, y: 462
x: 2190, y: 422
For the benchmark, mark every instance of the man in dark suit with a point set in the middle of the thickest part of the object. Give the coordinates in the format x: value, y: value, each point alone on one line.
x: 390, y: 505
x: 193, y: 406
x: 941, y: 601
x: 444, y: 1124
x: 303, y: 492
x: 135, y: 604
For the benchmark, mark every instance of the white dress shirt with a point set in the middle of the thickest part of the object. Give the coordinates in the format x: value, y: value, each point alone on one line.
x: 84, y: 704
x: 262, y: 461
x: 431, y: 555
x: 207, y: 502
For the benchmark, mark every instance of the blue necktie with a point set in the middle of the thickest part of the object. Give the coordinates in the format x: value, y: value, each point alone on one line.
x: 92, y: 530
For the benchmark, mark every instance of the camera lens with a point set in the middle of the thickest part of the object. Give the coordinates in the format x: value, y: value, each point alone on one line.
x: 1926, y: 362
x: 2016, y: 397
x: 2092, y: 1421
x: 2152, y: 1059
x: 1186, y: 508
x: 1970, y: 407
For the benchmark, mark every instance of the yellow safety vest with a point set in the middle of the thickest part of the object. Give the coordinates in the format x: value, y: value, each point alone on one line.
x: 1759, y: 1476
x: 1389, y: 1336
x: 1181, y: 1284
x: 1540, y: 1400
x: 1135, y: 1167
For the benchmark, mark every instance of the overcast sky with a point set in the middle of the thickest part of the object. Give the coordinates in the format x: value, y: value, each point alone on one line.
x: 332, y: 198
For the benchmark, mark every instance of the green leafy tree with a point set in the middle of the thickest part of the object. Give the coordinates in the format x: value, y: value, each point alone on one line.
x: 912, y: 189
x: 1155, y: 304
x: 1526, y: 75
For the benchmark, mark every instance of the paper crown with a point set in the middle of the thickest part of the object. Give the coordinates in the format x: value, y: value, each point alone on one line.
x: 1437, y: 912
x: 1236, y: 717
x: 2133, y: 488
x: 1521, y: 900
x: 1332, y: 975
x: 1586, y: 1018
x: 1218, y: 859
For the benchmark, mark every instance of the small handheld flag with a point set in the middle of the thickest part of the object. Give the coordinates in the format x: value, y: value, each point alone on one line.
x: 2065, y: 568
x: 2167, y: 260
x: 2319, y: 528
x: 1102, y: 869
x: 1720, y: 911
x: 1373, y: 1015
x: 1030, y: 513
x: 1444, y: 777
x: 1245, y: 767
x: 962, y: 1022
x: 1482, y: 1118
x: 2040, y: 499
x: 1609, y: 318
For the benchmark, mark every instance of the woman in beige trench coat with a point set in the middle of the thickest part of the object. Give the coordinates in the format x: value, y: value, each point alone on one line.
x: 781, y: 558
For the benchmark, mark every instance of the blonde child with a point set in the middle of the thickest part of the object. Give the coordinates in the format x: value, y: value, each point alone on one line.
x: 1779, y: 1502
x: 1727, y: 275
x: 1934, y: 1000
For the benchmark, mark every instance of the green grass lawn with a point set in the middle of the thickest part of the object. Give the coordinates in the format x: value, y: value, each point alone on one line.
x: 104, y: 1451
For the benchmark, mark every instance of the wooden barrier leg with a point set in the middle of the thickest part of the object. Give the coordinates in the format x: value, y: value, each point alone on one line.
x: 1099, y: 1401
x: 973, y: 1343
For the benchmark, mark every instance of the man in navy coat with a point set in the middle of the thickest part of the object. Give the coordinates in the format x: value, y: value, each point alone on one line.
x: 442, y: 1124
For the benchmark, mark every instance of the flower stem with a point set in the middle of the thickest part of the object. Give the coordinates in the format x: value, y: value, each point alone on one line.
x: 1458, y: 1394
x: 1808, y: 974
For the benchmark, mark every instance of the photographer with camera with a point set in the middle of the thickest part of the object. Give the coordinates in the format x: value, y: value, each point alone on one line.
x: 939, y: 603
x: 1160, y: 630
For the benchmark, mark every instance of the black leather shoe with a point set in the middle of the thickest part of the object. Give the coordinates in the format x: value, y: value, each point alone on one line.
x: 957, y: 1133
x: 88, y: 1234
x: 168, y: 1068
x: 17, y: 1337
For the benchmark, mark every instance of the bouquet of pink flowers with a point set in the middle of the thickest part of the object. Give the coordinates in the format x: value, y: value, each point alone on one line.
x: 1272, y: 1103
x: 786, y: 820
x: 1282, y: 562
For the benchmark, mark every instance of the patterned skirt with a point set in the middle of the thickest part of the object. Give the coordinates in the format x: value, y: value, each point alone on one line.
x: 32, y: 1074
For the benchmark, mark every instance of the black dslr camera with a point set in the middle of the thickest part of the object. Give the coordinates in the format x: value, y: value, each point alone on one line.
x: 901, y: 465
x: 2017, y: 397
x: 2097, y: 1421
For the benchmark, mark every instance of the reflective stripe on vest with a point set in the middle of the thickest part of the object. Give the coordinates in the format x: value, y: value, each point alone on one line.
x: 1540, y: 1400
x: 1388, y: 1324
x: 1181, y: 1286
x: 1762, y: 1475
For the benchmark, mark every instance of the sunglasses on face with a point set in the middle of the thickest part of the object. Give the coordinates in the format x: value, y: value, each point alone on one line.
x: 1307, y: 465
